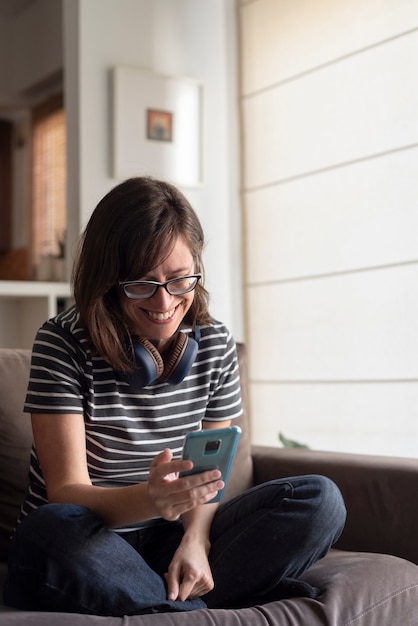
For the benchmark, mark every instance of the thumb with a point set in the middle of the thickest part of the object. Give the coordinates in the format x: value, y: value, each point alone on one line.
x: 163, y: 457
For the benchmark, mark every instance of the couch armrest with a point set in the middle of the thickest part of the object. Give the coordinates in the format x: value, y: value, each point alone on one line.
x: 380, y: 494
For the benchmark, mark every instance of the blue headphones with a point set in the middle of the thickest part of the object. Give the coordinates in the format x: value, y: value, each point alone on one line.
x: 150, y: 365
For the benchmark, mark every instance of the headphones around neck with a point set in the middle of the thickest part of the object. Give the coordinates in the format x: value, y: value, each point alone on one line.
x: 150, y: 366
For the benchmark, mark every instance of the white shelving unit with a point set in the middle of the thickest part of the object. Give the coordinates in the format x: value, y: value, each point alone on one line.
x: 24, y: 307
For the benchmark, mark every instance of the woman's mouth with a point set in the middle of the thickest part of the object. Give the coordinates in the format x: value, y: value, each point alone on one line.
x: 161, y: 317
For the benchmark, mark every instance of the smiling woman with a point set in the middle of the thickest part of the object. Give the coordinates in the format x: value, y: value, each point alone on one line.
x: 117, y: 383
x: 129, y: 221
x: 158, y: 316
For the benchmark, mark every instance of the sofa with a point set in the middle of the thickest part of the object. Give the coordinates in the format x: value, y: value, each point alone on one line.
x: 370, y: 578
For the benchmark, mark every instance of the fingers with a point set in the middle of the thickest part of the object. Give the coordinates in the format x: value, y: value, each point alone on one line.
x: 163, y: 457
x: 183, y: 494
x: 189, y: 496
x: 163, y: 465
x: 172, y: 586
x: 173, y: 495
x: 211, y: 478
x: 191, y: 586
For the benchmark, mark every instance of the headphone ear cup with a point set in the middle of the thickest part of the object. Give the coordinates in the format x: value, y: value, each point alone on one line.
x: 181, y: 359
x: 148, y: 362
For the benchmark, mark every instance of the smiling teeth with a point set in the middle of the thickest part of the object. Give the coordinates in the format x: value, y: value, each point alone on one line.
x: 161, y: 316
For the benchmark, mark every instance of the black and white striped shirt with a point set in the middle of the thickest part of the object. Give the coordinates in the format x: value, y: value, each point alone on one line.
x: 126, y: 426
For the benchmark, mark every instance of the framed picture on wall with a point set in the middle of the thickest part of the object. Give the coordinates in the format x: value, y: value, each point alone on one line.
x: 157, y: 126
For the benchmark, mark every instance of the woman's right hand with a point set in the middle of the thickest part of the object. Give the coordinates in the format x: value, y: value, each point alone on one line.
x: 171, y: 495
x: 61, y: 446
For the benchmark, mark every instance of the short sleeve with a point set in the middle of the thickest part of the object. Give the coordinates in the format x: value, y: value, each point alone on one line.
x: 56, y: 383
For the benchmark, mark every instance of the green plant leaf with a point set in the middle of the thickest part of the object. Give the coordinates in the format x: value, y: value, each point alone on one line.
x: 290, y: 443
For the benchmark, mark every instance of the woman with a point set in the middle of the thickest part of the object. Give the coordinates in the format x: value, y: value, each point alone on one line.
x: 108, y: 527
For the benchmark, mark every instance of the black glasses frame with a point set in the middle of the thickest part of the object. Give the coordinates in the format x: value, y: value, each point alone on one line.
x: 154, y: 285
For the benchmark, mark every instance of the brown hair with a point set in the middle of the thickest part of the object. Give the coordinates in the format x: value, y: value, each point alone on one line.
x: 131, y: 231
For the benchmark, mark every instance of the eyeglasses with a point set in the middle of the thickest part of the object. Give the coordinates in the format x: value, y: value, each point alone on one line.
x: 142, y: 289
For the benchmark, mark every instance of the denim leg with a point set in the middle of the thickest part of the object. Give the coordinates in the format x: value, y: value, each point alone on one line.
x: 270, y: 533
x: 63, y: 558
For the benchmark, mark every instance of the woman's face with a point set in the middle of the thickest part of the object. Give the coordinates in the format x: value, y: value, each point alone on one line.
x: 158, y: 318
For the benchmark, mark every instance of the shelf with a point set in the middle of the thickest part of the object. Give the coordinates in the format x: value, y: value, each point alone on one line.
x: 24, y: 306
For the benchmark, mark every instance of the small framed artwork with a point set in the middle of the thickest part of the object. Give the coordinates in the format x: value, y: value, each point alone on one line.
x: 159, y: 125
x: 157, y: 128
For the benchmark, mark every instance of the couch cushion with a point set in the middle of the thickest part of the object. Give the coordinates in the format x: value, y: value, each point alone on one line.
x: 16, y: 439
x: 241, y: 476
x: 362, y: 589
x: 358, y: 589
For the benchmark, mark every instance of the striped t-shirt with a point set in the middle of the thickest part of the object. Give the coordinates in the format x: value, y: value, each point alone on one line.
x: 126, y: 425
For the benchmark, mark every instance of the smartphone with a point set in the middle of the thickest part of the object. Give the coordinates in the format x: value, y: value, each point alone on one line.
x: 212, y: 449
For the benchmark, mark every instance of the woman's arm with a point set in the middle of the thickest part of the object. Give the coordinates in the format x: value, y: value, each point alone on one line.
x: 61, y: 448
x: 189, y: 573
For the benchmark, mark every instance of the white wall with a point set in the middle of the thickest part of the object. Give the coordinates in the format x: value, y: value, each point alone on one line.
x: 330, y: 132
x: 192, y: 38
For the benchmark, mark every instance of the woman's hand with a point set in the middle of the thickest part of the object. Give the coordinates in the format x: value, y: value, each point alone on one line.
x: 189, y: 574
x: 172, y: 496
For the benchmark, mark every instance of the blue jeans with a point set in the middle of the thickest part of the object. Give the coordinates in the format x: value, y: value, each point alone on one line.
x: 63, y: 558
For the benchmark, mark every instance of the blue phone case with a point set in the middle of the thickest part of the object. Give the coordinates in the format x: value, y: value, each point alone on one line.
x: 212, y: 449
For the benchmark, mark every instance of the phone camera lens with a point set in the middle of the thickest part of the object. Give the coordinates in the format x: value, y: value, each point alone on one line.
x: 212, y: 447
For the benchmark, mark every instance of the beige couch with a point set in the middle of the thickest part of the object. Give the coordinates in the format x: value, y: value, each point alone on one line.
x: 371, y: 579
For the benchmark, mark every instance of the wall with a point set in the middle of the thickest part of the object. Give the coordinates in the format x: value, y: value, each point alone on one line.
x: 30, y: 68
x: 176, y: 37
x: 37, y: 45
x: 31, y: 46
x: 330, y: 131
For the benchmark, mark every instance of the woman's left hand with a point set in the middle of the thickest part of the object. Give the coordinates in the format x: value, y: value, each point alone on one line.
x: 189, y: 574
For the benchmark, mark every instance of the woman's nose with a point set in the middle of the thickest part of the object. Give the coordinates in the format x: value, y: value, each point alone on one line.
x: 162, y: 299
